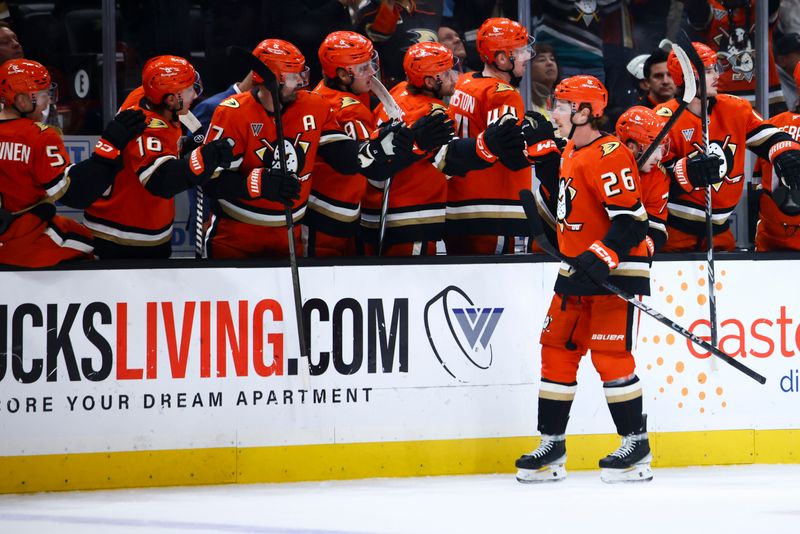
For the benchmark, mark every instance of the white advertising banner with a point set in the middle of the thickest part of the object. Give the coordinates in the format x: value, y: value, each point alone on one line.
x: 125, y: 360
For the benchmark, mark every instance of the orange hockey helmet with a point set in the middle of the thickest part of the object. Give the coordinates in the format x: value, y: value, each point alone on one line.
x: 350, y: 51
x: 640, y: 125
x: 502, y: 35
x: 707, y: 56
x: 168, y: 75
x: 427, y: 59
x: 583, y: 89
x: 284, y: 60
x: 19, y: 76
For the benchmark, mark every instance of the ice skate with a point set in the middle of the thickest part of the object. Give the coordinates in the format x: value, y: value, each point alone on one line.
x: 629, y: 463
x: 546, y: 463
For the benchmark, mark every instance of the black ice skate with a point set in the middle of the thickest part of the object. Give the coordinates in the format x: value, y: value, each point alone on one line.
x: 629, y: 463
x: 546, y: 463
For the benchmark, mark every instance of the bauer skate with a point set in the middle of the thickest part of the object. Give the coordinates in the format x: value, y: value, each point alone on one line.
x: 546, y: 463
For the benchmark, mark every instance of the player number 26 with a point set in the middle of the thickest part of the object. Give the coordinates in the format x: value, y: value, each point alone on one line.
x: 611, y: 182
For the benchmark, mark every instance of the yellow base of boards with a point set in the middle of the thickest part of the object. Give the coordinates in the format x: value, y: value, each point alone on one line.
x: 229, y: 465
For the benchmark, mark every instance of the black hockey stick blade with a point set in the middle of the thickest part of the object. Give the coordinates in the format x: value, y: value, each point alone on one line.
x: 537, y: 232
x: 253, y: 63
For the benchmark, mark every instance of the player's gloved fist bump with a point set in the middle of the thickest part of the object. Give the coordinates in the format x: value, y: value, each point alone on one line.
x: 120, y: 130
x: 593, y: 265
x: 432, y: 131
x: 536, y: 128
x: 502, y: 139
x: 787, y: 165
x: 205, y: 160
x: 394, y: 140
x: 697, y: 171
x: 273, y: 184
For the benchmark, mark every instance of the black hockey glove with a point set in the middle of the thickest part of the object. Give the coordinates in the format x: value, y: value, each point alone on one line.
x: 273, y: 184
x: 593, y: 265
x: 123, y: 128
x: 787, y: 165
x: 6, y: 218
x: 394, y: 140
x: 432, y: 131
x: 697, y: 171
x: 505, y: 141
x: 205, y: 161
x: 536, y: 128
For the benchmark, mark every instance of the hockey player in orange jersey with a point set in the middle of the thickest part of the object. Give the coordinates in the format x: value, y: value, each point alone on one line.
x: 35, y: 172
x: 483, y: 209
x: 134, y: 218
x: 331, y: 223
x: 733, y: 127
x: 417, y: 195
x: 602, y: 225
x: 251, y: 225
x: 779, y: 203
x: 638, y: 128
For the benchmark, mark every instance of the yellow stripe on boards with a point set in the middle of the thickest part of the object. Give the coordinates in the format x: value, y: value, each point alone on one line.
x: 20, y: 474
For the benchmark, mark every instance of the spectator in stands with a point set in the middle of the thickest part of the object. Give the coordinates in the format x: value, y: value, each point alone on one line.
x: 9, y: 44
x: 657, y: 84
x: 728, y: 27
x: 451, y: 39
x: 787, y: 55
x: 544, y: 75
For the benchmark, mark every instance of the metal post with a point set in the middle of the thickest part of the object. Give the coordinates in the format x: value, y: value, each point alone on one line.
x: 762, y: 57
x: 524, y: 18
x: 109, y: 18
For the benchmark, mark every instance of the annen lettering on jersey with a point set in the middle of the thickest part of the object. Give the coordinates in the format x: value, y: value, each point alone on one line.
x: 14, y: 152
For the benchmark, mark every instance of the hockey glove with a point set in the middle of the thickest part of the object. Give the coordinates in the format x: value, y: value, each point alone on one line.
x: 787, y: 165
x: 593, y: 265
x: 536, y: 128
x: 394, y: 140
x: 123, y: 128
x: 206, y: 160
x: 273, y: 184
x: 501, y: 140
x: 432, y: 131
x: 697, y: 171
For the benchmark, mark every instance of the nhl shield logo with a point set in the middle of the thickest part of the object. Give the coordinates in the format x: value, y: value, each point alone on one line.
x: 687, y: 134
x: 256, y: 127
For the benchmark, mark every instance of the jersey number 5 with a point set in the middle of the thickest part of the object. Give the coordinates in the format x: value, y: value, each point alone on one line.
x: 612, y: 182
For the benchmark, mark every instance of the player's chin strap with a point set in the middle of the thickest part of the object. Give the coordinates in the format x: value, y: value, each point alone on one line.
x: 574, y: 124
x: 515, y: 80
x: 24, y: 114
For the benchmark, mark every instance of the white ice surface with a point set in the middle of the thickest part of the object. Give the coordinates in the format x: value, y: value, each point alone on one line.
x: 752, y: 499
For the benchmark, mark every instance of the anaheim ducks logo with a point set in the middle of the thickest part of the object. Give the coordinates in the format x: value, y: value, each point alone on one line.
x: 295, y: 155
x: 608, y: 148
x: 348, y: 101
x: 664, y: 112
x: 422, y: 35
x: 503, y: 87
x: 438, y: 108
x: 726, y: 151
x: 157, y: 123
x: 587, y: 11
x: 566, y: 193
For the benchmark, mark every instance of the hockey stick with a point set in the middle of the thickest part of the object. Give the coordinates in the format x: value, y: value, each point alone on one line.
x: 690, y: 91
x: 396, y: 114
x: 271, y: 82
x: 537, y: 232
x: 191, y: 124
x: 701, y: 75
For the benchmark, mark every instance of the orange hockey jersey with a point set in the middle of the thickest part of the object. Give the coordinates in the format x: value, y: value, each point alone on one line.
x: 598, y: 182
x: 334, y: 205
x: 129, y: 214
x: 734, y: 40
x: 733, y: 127
x: 654, y: 195
x: 485, y: 201
x: 776, y: 230
x: 307, y: 123
x: 418, y: 193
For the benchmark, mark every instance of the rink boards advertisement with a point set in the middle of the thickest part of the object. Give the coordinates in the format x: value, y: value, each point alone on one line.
x: 120, y: 361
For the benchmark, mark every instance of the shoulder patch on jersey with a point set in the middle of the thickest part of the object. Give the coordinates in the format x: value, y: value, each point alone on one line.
x: 349, y: 101
x: 609, y: 147
x: 664, y: 112
x: 502, y: 87
x: 230, y: 103
x: 157, y: 123
x: 42, y: 126
x: 438, y: 108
